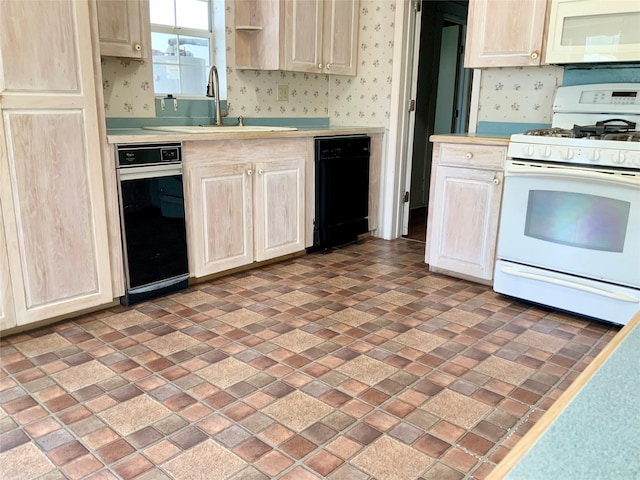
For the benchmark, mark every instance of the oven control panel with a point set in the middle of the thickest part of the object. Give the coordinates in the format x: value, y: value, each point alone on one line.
x: 148, y: 154
x: 614, y: 98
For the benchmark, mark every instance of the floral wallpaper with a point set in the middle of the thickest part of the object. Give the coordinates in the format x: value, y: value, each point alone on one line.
x: 518, y: 94
x: 515, y: 94
x: 127, y: 88
x: 365, y: 99
x: 360, y: 100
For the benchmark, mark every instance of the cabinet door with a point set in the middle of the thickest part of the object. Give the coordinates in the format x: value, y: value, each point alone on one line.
x: 505, y: 34
x: 124, y: 28
x: 50, y: 160
x: 219, y: 224
x: 340, y: 36
x: 464, y: 226
x: 303, y: 35
x: 7, y: 313
x: 279, y: 208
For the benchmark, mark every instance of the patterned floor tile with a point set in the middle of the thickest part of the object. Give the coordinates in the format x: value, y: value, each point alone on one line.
x: 135, y: 414
x: 297, y: 411
x: 388, y: 459
x: 352, y: 364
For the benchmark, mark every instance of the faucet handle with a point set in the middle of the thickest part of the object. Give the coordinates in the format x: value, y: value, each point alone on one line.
x: 226, y: 112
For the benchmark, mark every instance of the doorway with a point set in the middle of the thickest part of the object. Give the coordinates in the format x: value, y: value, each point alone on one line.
x: 442, y: 97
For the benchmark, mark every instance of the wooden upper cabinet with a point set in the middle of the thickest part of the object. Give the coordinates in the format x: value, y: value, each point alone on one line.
x: 505, y: 33
x: 321, y: 36
x: 259, y: 26
x: 51, y: 189
x: 124, y: 28
x: 314, y: 36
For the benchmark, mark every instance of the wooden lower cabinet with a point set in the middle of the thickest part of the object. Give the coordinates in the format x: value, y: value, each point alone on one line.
x: 278, y: 208
x: 7, y: 311
x: 244, y: 212
x: 464, y: 211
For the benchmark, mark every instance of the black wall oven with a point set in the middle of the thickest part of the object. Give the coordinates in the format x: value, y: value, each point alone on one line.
x: 152, y: 220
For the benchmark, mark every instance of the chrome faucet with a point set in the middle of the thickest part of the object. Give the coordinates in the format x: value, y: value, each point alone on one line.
x: 213, y: 91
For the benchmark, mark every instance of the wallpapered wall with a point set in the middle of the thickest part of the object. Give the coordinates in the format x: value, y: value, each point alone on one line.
x: 507, y: 94
x: 360, y: 100
x: 518, y: 94
x: 127, y: 87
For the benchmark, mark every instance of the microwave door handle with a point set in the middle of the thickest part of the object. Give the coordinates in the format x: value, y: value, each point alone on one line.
x: 564, y: 173
x: 565, y: 283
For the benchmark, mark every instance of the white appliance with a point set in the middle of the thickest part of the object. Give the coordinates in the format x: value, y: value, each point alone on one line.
x: 569, y: 231
x: 589, y: 31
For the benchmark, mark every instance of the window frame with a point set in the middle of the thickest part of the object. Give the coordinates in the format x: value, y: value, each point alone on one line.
x: 191, y: 32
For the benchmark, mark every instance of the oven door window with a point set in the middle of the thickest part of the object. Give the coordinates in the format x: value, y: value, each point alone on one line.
x: 577, y: 220
x: 568, y: 223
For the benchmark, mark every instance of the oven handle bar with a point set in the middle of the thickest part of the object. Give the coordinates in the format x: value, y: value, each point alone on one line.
x: 565, y: 283
x: 150, y: 171
x: 552, y: 171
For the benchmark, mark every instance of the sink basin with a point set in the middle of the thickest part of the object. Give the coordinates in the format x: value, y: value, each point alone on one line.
x: 220, y: 129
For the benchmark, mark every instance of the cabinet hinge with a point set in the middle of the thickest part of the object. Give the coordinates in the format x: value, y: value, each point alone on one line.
x: 417, y: 5
x: 412, y: 105
x: 405, y: 199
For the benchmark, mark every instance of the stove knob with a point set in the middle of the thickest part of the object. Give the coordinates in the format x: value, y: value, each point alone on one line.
x: 595, y: 155
x: 544, y: 151
x: 622, y: 157
x: 566, y: 154
x: 529, y: 151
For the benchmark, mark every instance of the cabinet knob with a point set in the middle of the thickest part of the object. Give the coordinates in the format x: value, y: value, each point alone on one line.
x: 328, y: 66
x: 469, y: 156
x: 320, y: 66
x: 137, y: 47
x: 249, y: 172
x: 260, y: 172
x: 535, y: 55
x: 496, y: 181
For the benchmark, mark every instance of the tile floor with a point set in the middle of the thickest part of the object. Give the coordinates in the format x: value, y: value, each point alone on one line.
x: 354, y: 364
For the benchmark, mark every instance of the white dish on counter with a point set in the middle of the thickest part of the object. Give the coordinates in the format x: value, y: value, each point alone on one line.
x: 219, y: 128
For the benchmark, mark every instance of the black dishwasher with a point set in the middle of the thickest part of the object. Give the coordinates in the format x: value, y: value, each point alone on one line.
x: 341, y: 190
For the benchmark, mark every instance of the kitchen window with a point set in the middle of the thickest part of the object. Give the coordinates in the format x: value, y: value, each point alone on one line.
x: 187, y: 37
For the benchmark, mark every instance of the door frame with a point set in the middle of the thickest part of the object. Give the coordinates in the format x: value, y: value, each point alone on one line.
x: 397, y: 161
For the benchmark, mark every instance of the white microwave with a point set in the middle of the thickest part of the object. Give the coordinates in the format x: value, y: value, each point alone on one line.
x: 592, y: 31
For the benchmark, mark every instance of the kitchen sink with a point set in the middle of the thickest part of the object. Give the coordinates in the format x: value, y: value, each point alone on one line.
x: 219, y: 128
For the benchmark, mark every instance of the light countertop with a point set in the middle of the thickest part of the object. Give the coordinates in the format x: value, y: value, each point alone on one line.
x: 139, y: 135
x: 593, y: 430
x: 498, y: 139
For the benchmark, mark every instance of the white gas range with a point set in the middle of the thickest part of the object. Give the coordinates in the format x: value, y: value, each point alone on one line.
x: 569, y: 233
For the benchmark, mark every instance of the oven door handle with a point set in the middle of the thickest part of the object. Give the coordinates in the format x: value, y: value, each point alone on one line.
x: 583, y: 173
x: 565, y: 283
x: 149, y: 171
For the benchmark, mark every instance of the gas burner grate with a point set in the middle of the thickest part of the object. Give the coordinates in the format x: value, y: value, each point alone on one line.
x: 550, y: 132
x: 606, y: 127
x: 622, y: 137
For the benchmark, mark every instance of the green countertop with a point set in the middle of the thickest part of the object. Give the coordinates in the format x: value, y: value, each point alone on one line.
x: 596, y: 436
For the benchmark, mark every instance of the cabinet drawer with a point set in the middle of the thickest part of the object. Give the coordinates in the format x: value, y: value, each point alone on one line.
x: 478, y: 156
